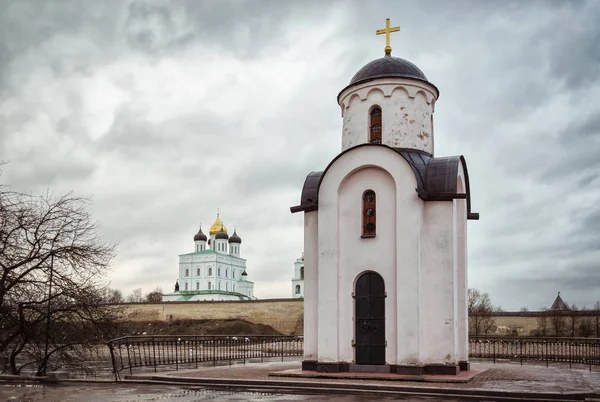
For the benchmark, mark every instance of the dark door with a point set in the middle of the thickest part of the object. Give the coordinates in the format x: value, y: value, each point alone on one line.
x: 369, y: 301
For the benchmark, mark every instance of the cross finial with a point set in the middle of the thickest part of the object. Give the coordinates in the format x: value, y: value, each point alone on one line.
x: 387, y: 31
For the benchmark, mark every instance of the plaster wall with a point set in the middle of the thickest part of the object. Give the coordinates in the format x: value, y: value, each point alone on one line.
x: 311, y: 283
x: 438, y: 285
x: 407, y: 108
x: 460, y: 214
x: 342, y: 254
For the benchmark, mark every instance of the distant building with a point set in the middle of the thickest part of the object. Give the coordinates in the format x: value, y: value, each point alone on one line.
x: 559, y: 304
x: 298, y: 279
x: 214, y: 270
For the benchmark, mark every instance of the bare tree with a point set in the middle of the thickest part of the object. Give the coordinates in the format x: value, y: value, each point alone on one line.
x: 480, y: 309
x: 135, y: 296
x: 559, y: 324
x: 542, y: 322
x: 52, y: 264
x: 113, y: 296
x: 155, y: 296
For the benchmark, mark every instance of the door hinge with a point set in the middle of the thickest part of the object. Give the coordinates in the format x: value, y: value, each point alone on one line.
x: 353, y: 343
x: 353, y: 295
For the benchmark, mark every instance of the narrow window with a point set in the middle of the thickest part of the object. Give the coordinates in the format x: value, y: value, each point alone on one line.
x: 301, y: 272
x: 210, y: 272
x: 187, y: 272
x: 186, y: 287
x: 368, y: 221
x: 209, y: 285
x: 233, y: 274
x: 375, y: 126
x: 219, y: 271
x: 227, y: 286
x: 297, y: 289
x: 219, y: 285
x: 233, y: 287
x: 196, y: 247
x: 197, y: 285
x: 198, y: 272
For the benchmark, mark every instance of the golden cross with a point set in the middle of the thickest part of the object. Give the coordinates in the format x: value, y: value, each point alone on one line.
x: 387, y: 31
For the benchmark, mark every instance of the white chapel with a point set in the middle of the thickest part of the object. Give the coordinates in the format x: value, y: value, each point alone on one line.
x: 385, y: 234
x: 214, y: 270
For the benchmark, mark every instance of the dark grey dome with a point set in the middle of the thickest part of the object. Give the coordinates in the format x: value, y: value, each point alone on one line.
x: 200, y: 236
x: 244, y: 273
x: 387, y: 67
x: 222, y: 235
x: 235, y: 238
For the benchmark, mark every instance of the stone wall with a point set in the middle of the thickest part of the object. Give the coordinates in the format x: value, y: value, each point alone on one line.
x: 287, y: 315
x: 283, y: 315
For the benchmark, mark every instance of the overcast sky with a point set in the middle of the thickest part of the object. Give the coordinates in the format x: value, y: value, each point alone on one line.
x: 165, y: 111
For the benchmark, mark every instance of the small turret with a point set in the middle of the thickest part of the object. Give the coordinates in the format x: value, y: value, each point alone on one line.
x: 221, y: 241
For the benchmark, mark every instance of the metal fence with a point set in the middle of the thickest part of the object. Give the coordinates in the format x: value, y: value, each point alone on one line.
x: 188, y: 351
x: 560, y: 350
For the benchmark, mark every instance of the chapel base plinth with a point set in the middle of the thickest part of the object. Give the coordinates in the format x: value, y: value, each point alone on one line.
x: 405, y: 370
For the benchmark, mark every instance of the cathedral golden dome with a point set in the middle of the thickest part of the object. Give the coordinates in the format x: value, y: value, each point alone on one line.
x: 216, y: 227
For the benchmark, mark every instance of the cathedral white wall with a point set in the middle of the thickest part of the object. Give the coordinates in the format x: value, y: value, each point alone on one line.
x: 342, y: 254
x: 438, y: 285
x: 311, y: 254
x: 407, y: 108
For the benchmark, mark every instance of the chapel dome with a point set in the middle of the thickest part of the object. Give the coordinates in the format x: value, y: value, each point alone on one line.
x: 387, y: 67
x: 222, y: 235
x: 235, y: 238
x: 200, y: 236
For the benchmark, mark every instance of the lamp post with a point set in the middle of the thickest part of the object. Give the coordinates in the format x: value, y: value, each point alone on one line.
x: 48, y: 315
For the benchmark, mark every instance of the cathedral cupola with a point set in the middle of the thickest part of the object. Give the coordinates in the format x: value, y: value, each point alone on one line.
x: 221, y: 238
x: 200, y: 236
x: 235, y: 238
x: 200, y: 240
x: 234, y: 244
x: 388, y: 101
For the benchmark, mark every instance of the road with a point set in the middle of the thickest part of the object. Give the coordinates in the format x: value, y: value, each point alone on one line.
x: 76, y: 392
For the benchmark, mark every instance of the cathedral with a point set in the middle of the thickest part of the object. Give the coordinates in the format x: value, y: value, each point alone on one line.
x: 385, y: 234
x: 214, y: 270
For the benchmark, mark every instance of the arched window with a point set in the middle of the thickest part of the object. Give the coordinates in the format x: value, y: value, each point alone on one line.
x: 301, y: 272
x: 210, y: 272
x: 219, y: 285
x: 209, y: 285
x: 226, y: 274
x: 219, y: 271
x: 375, y: 126
x: 369, y: 216
x: 233, y: 287
x: 186, y: 287
x: 197, y: 271
x: 227, y: 286
x: 233, y: 274
x: 197, y: 285
x: 187, y: 272
x: 297, y: 289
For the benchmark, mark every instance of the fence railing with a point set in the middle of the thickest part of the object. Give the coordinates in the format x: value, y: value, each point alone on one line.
x: 188, y: 351
x: 564, y: 350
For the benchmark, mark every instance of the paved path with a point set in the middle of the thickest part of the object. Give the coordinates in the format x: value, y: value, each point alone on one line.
x: 498, y: 379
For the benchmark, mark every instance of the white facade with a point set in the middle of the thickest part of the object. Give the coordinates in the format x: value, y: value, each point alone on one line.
x: 418, y: 247
x: 298, y: 279
x: 213, y: 273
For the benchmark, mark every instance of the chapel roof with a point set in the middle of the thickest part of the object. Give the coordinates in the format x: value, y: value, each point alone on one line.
x: 435, y: 177
x: 559, y: 304
x: 387, y: 67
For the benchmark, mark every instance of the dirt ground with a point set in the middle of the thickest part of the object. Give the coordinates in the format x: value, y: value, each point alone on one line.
x: 200, y: 327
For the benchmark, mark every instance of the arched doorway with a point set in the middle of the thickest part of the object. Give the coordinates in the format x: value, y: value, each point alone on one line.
x: 369, y: 319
